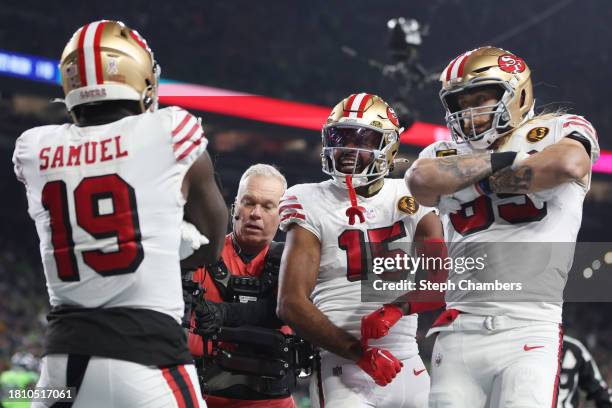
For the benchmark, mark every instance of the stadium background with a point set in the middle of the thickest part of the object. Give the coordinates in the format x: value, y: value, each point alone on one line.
x: 315, y: 52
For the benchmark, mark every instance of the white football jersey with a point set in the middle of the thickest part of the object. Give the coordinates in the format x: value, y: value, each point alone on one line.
x: 391, y: 217
x: 108, y: 206
x: 548, y: 235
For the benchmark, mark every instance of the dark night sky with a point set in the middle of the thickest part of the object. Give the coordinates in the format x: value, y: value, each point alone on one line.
x: 292, y: 49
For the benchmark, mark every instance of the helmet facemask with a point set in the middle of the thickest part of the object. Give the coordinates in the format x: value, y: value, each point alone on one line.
x: 346, y: 143
x: 500, y: 123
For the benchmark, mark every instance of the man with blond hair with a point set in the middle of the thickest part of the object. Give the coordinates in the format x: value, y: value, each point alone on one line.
x: 248, y: 253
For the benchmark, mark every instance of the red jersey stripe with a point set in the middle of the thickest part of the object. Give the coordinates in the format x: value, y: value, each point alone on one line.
x: 288, y: 198
x: 287, y: 206
x: 97, y: 55
x: 190, y: 148
x: 587, y: 127
x: 81, y: 52
x: 188, y: 136
x: 579, y: 118
x: 293, y: 215
x: 181, y: 125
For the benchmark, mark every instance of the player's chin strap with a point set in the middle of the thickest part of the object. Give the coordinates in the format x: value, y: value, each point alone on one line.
x: 354, y: 210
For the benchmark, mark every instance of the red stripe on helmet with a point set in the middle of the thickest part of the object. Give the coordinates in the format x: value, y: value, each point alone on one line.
x: 349, y: 103
x: 462, y: 65
x: 450, y: 68
x: 362, y: 105
x: 97, y: 55
x: 82, y: 55
x: 141, y: 41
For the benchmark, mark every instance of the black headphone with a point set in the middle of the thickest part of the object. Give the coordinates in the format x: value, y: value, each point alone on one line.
x: 232, y: 210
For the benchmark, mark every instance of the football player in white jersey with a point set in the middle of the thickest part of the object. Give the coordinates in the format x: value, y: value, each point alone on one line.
x: 107, y: 196
x: 327, y: 253
x: 512, y: 177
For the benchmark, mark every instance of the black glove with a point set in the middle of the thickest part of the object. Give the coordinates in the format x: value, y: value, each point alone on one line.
x: 210, y: 316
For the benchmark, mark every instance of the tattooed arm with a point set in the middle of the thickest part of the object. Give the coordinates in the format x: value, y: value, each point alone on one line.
x: 560, y: 163
x: 429, y: 178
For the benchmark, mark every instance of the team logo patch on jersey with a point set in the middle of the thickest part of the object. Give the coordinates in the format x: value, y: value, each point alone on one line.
x: 407, y: 205
x: 537, y: 134
x: 446, y: 152
x: 370, y: 213
x: 511, y: 64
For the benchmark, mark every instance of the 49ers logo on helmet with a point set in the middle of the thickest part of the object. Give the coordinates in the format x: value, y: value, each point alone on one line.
x: 392, y: 116
x: 511, y: 63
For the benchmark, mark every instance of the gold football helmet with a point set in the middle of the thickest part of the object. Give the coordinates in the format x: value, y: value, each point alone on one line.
x: 487, y: 66
x: 106, y: 60
x: 362, y: 125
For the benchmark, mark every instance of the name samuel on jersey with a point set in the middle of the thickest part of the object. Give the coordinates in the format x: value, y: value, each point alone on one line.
x: 86, y: 153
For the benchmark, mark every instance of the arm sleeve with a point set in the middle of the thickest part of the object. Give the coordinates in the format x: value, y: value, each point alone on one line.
x: 293, y: 209
x: 575, y: 126
x: 590, y: 381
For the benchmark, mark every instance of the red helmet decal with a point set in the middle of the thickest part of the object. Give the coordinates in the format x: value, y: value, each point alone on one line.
x: 511, y: 63
x: 392, y: 116
x: 141, y: 41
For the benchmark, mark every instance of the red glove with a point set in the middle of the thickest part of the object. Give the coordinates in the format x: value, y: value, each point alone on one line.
x: 379, y: 364
x: 377, y: 324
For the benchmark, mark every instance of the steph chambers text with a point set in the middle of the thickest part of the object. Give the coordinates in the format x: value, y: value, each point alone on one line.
x: 466, y: 284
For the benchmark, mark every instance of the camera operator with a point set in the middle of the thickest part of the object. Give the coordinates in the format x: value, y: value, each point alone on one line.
x: 239, y: 301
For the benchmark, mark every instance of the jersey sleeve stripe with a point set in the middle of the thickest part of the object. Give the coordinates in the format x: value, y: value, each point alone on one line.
x: 190, y: 148
x: 189, y: 135
x: 288, y: 198
x: 293, y: 215
x: 288, y: 206
x: 579, y: 118
x: 181, y: 125
x: 581, y: 124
